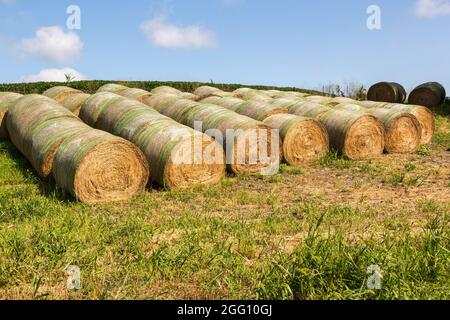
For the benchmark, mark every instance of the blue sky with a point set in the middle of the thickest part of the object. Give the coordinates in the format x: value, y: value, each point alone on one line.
x: 286, y: 42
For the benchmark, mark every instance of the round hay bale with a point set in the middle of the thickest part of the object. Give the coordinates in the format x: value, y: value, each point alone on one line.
x: 96, y: 167
x: 189, y: 96
x: 207, y: 91
x: 179, y: 157
x: 423, y: 115
x: 157, y: 99
x: 430, y: 94
x: 284, y: 103
x: 369, y: 104
x: 226, y: 102
x: 6, y: 99
x: 338, y: 100
x: 308, y: 109
x: 60, y: 93
x: 166, y: 90
x: 387, y: 92
x: 318, y: 99
x: 403, y: 131
x: 355, y: 135
x: 92, y: 108
x: 304, y: 140
x: 74, y: 102
x: 113, y: 88
x: 258, y: 110
x: 249, y: 144
x: 290, y: 95
x: 136, y: 94
x: 254, y: 96
x: 37, y: 126
x: 238, y: 93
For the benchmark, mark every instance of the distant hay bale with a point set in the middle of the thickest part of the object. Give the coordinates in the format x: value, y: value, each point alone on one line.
x: 238, y: 93
x: 423, y: 115
x: 251, y: 149
x: 369, y: 104
x: 304, y: 140
x: 6, y: 99
x: 179, y: 157
x: 290, y: 95
x: 96, y: 167
x: 226, y: 102
x: 258, y: 110
x: 157, y: 99
x: 60, y: 93
x: 338, y: 100
x: 387, y: 92
x: 430, y: 94
x: 113, y: 88
x: 254, y: 96
x: 356, y: 135
x: 188, y: 95
x: 318, y: 99
x: 402, y: 130
x: 308, y: 109
x: 137, y: 94
x: 74, y: 102
x: 165, y: 90
x: 207, y: 91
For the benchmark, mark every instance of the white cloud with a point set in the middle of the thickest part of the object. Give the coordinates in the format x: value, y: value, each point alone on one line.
x: 53, y: 44
x: 53, y: 75
x: 432, y: 8
x: 165, y: 35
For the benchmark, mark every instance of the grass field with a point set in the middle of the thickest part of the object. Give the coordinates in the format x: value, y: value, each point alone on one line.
x: 308, y: 233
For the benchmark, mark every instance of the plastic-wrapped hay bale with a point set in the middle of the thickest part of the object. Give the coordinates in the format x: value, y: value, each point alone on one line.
x: 254, y: 96
x: 290, y: 95
x: 157, y: 99
x: 387, y: 92
x: 318, y: 99
x: 6, y: 99
x: 166, y: 90
x: 95, y: 166
x: 207, y: 91
x: 226, y: 102
x: 179, y: 157
x: 113, y: 88
x: 249, y: 143
x: 37, y: 125
x: 137, y: 94
x: 308, y: 109
x: 370, y: 104
x: 423, y: 115
x: 60, y: 93
x: 430, y: 94
x: 338, y: 100
x: 357, y: 135
x: 74, y: 102
x: 402, y: 130
x: 258, y: 110
x: 304, y: 140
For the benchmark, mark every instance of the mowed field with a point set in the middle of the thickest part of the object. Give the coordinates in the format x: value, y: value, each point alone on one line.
x: 309, y: 233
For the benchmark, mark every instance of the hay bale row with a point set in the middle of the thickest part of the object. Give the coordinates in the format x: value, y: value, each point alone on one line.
x: 178, y: 156
x: 403, y: 132
x: 387, y: 92
x: 92, y: 165
x: 430, y: 94
x: 248, y: 143
x: 250, y: 146
x: 304, y: 140
x: 6, y: 99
